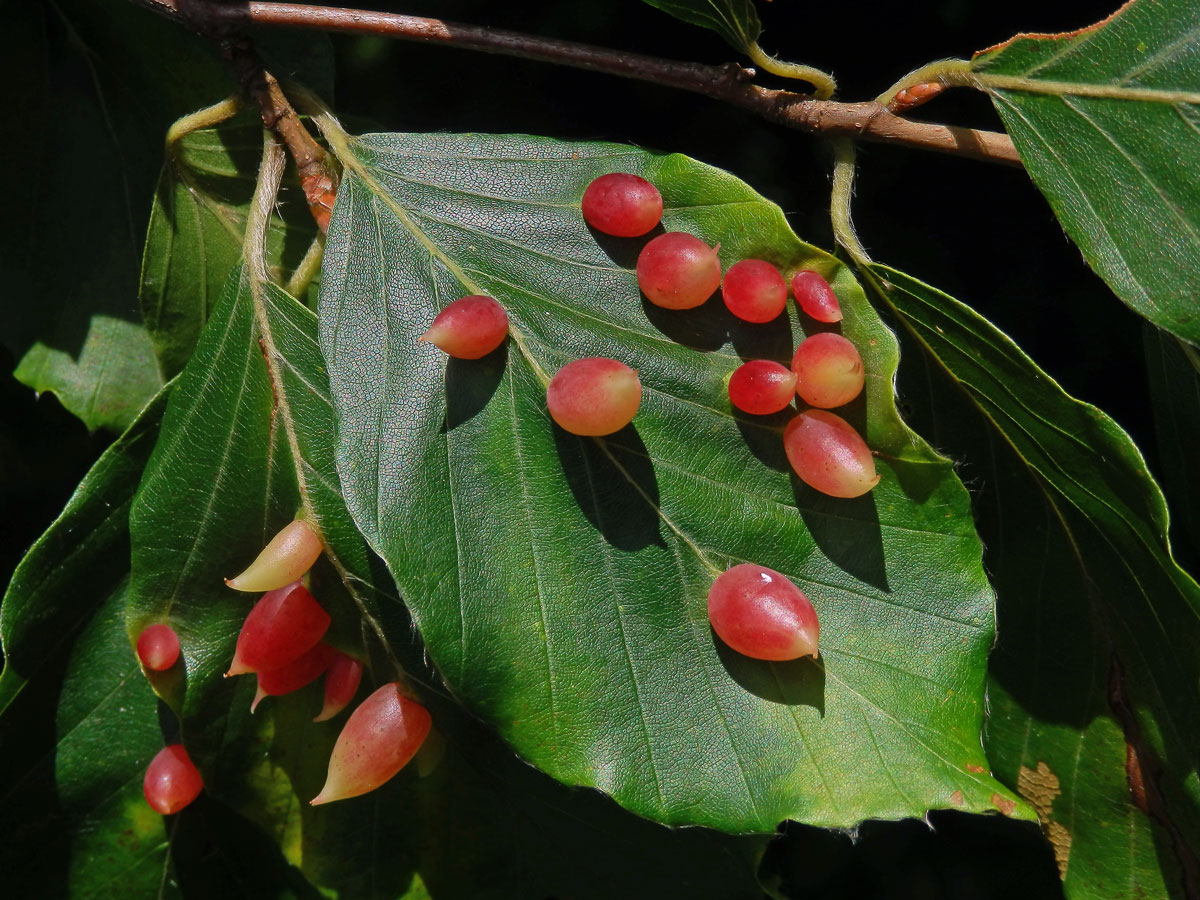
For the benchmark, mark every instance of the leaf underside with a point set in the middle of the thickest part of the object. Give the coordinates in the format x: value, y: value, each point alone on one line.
x: 735, y: 20
x: 498, y: 815
x: 1098, y: 625
x: 195, y: 236
x: 1107, y: 122
x: 559, y: 583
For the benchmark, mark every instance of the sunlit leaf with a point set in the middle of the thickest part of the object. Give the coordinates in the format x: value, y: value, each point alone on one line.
x: 113, y: 377
x: 1107, y: 121
x: 559, y: 583
x: 484, y: 821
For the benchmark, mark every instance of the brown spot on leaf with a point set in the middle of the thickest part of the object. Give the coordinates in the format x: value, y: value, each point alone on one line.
x: 978, y: 770
x: 957, y: 798
x: 1003, y: 804
x: 1133, y: 775
x: 1060, y: 840
x: 1040, y: 787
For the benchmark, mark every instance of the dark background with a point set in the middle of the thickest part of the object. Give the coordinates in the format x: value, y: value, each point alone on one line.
x: 981, y: 232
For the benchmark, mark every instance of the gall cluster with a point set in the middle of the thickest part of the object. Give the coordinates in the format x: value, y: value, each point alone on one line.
x: 753, y: 609
x: 281, y: 644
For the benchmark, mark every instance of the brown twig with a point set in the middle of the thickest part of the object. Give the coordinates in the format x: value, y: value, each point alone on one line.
x: 729, y: 83
x: 317, y: 178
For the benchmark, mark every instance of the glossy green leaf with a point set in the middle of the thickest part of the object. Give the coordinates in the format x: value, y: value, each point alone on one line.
x: 481, y: 825
x: 82, y: 557
x: 1174, y: 370
x: 735, y: 20
x: 196, y: 230
x: 1098, y: 625
x: 559, y: 583
x: 1107, y: 122
x: 222, y: 480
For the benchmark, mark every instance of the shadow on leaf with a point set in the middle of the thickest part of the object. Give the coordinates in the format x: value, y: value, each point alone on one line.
x: 847, y: 531
x: 624, y: 251
x: 766, y: 340
x: 218, y: 853
x: 470, y: 384
x: 702, y: 328
x: 764, y: 436
x: 798, y: 682
x: 614, y: 484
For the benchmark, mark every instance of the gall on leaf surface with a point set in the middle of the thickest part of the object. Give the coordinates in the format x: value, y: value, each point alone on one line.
x: 219, y: 484
x: 559, y: 582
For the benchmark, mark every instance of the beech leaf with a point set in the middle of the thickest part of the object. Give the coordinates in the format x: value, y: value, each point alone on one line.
x: 559, y: 582
x: 1107, y: 122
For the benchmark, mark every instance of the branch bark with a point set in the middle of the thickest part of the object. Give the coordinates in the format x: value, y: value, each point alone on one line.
x: 730, y: 83
x: 317, y: 179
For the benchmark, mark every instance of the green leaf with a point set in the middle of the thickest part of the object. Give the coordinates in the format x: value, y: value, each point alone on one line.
x: 75, y: 748
x: 1174, y: 369
x: 196, y: 230
x: 484, y: 820
x: 78, y: 561
x: 1107, y: 122
x: 77, y: 824
x: 490, y: 826
x: 236, y: 461
x: 559, y: 583
x: 86, y: 116
x: 735, y: 20
x: 112, y: 379
x: 1098, y: 625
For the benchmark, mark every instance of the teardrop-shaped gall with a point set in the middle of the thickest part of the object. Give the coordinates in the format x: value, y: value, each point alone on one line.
x: 172, y: 780
x: 341, y: 684
x: 289, y: 555
x: 829, y: 370
x: 816, y: 297
x: 754, y: 291
x: 303, y: 670
x: 594, y: 396
x: 829, y: 455
x: 622, y: 205
x: 759, y: 613
x: 379, y: 738
x: 677, y: 270
x: 282, y: 625
x: 469, y: 328
x: 762, y: 387
x: 158, y: 647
